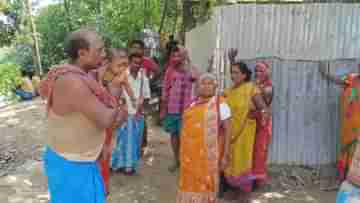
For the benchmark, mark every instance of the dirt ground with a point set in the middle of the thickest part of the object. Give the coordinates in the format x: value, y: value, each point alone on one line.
x: 22, y: 136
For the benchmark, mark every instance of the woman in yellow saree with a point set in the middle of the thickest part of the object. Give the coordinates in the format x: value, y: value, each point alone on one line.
x: 242, y: 98
x: 205, y: 141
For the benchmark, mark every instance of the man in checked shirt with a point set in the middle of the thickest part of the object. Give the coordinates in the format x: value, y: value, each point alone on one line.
x: 177, y: 94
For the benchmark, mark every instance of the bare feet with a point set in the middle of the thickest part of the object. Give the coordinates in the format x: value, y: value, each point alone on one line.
x: 232, y: 195
x: 244, y: 198
x: 238, y: 196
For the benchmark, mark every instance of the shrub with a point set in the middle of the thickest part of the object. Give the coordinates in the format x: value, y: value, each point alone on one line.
x: 10, y: 76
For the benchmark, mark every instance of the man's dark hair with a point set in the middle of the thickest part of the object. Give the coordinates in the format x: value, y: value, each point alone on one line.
x: 115, y: 52
x: 134, y: 55
x: 76, y: 41
x: 138, y: 42
x: 24, y: 72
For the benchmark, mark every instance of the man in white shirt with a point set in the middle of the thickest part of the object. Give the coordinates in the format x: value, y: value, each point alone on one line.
x: 139, y: 83
x: 127, y: 155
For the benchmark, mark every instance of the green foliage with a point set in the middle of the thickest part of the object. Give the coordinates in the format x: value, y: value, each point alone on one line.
x: 6, y: 55
x: 6, y: 34
x: 10, y: 75
x: 51, y: 26
x: 119, y: 22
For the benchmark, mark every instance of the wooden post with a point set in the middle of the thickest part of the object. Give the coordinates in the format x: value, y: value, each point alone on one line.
x: 34, y: 35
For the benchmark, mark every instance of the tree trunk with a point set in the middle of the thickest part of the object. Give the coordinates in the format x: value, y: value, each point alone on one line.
x: 36, y: 49
x: 188, y: 21
x: 67, y: 4
x: 176, y: 18
x: 98, y: 15
x: 166, y: 5
x: 147, y: 15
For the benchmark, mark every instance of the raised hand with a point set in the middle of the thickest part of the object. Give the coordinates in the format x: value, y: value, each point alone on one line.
x: 118, y: 81
x: 232, y: 54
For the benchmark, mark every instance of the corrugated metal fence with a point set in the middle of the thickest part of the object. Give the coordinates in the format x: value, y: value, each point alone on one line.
x: 306, y: 112
x: 291, y: 31
x: 306, y: 106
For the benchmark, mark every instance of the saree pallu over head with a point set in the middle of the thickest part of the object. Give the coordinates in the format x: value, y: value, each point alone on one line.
x: 46, y: 91
x: 239, y: 173
x: 350, y: 130
x: 200, y: 153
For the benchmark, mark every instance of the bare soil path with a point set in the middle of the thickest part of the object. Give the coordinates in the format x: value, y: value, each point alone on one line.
x: 22, y: 133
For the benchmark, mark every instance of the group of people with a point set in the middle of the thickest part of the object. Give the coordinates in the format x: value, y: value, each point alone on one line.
x: 96, y: 122
x: 220, y: 142
x: 95, y: 112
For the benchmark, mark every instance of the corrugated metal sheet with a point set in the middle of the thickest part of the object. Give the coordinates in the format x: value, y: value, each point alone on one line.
x: 306, y: 119
x: 291, y: 31
x: 301, y: 133
x: 201, y: 42
x: 306, y: 114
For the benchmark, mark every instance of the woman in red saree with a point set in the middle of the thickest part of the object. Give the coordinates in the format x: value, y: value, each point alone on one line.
x: 263, y: 125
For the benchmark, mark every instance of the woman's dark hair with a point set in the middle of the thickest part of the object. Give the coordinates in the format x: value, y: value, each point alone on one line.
x: 244, y: 69
x: 138, y: 42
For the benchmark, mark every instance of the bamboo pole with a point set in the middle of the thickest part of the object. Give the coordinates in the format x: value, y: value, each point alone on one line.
x: 163, y: 17
x: 34, y: 35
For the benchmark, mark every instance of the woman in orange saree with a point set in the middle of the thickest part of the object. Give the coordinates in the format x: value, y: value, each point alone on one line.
x: 350, y: 131
x: 350, y: 118
x: 203, y: 150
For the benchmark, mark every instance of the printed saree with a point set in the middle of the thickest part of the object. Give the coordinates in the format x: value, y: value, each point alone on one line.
x: 200, y: 152
x: 350, y: 130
